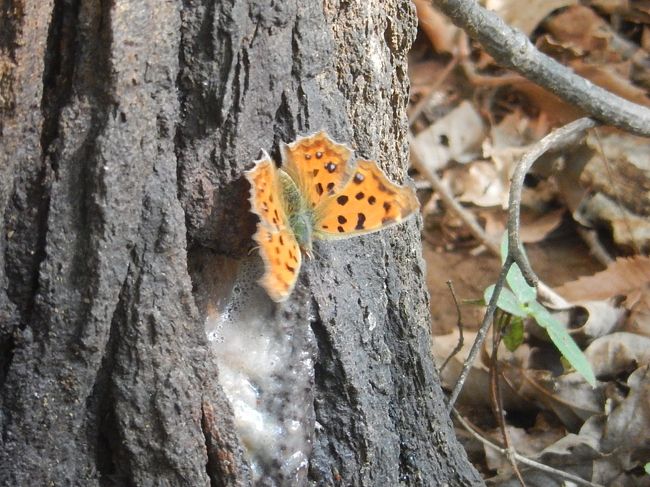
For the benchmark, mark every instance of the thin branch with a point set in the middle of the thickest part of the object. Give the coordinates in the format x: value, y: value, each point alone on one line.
x: 522, y: 459
x: 422, y: 104
x: 459, y: 325
x: 512, y: 49
x: 502, y: 321
x: 556, y: 140
x: 449, y: 200
x: 480, y: 336
x: 544, y: 292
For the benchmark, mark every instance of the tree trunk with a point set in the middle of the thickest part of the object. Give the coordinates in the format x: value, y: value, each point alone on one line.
x: 126, y: 127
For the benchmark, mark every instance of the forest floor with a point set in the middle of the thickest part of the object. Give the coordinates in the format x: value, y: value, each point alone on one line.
x: 585, y: 227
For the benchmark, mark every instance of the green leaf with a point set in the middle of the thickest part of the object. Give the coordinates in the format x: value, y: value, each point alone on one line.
x: 503, y: 248
x: 515, y: 278
x: 506, y: 301
x: 563, y: 341
x: 647, y: 468
x: 514, y: 334
x: 519, y: 286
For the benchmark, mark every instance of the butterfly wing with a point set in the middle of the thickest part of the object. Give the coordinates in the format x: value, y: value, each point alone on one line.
x: 367, y: 202
x: 318, y: 165
x: 277, y: 243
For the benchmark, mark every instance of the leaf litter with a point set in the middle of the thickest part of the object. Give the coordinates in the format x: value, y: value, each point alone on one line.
x: 472, y: 121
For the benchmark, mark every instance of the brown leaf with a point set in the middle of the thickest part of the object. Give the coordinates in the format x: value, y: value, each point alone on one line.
x: 618, y: 353
x: 580, y: 28
x: 537, y: 230
x: 526, y: 19
x: 442, y: 34
x: 639, y: 304
x: 622, y: 277
x: 610, y: 78
x: 457, y: 135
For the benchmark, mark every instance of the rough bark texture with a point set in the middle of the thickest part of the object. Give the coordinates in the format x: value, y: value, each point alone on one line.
x: 125, y: 127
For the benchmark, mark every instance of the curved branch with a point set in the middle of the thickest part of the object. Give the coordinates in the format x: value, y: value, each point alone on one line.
x: 521, y: 458
x: 556, y: 140
x: 512, y: 49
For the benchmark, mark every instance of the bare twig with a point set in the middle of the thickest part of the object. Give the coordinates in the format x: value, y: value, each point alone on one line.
x: 449, y: 200
x: 495, y: 391
x: 480, y: 335
x: 512, y: 49
x: 543, y: 291
x: 521, y: 458
x: 421, y: 105
x: 555, y: 140
x: 459, y: 325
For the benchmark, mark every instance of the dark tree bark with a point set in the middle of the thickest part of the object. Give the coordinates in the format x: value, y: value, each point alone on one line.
x: 125, y: 128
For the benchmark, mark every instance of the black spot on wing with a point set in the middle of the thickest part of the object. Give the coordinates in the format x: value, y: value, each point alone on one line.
x: 342, y: 200
x: 342, y: 220
x: 319, y: 189
x: 361, y: 220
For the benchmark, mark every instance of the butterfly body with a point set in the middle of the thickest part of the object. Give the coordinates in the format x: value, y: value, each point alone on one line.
x: 319, y: 194
x: 300, y: 214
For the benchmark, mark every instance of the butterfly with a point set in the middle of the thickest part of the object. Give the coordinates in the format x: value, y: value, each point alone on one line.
x: 319, y: 194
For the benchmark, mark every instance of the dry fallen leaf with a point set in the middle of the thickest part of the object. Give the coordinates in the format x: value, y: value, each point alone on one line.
x: 536, y: 230
x: 441, y: 32
x: 477, y: 183
x: 567, y: 395
x: 608, y: 77
x: 580, y: 28
x: 458, y: 136
x: 639, y: 304
x: 622, y: 277
x: 525, y: 442
x: 626, y: 434
x: 475, y: 393
x: 526, y: 19
x: 618, y: 353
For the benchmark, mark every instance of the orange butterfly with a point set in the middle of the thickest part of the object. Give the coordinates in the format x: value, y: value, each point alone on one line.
x: 318, y: 194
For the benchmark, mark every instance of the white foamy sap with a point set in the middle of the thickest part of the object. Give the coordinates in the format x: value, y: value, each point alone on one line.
x: 266, y: 364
